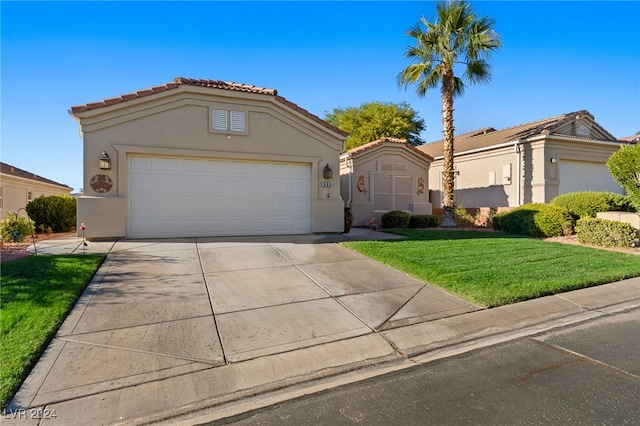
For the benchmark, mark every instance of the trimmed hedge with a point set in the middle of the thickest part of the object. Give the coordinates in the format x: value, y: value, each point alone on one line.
x: 588, y: 203
x: 424, y: 221
x: 605, y: 233
x: 57, y: 212
x: 536, y: 220
x: 396, y: 219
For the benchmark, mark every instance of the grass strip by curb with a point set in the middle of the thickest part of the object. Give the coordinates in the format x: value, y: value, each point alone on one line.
x: 493, y: 269
x: 36, y: 294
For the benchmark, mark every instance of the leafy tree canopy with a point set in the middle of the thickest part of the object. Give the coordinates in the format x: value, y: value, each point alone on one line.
x: 624, y: 166
x: 374, y: 120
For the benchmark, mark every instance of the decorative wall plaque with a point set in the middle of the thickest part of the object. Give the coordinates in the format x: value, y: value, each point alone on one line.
x: 101, y: 183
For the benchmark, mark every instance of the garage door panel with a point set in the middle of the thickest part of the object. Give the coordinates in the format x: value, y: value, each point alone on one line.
x: 140, y: 163
x: 300, y: 188
x: 140, y: 184
x: 193, y: 166
x: 279, y: 187
x: 299, y: 171
x: 300, y: 208
x: 166, y: 164
x: 140, y: 207
x: 259, y: 226
x: 171, y: 196
x: 140, y: 226
x: 170, y: 207
x: 260, y: 206
x: 577, y: 176
x: 165, y: 185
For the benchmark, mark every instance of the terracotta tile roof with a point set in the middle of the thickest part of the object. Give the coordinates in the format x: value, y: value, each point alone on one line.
x: 214, y: 84
x: 487, y: 137
x: 9, y: 170
x: 631, y: 139
x: 122, y: 98
x: 368, y: 146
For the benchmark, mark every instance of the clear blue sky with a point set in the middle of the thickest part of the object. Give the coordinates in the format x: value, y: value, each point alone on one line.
x: 557, y: 57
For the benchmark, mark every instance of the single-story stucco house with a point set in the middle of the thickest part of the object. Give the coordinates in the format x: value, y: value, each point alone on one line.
x: 529, y: 163
x: 19, y: 187
x: 384, y: 175
x: 207, y: 158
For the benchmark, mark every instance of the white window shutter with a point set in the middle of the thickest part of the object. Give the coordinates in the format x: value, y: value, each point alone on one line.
x: 219, y: 119
x: 237, y: 121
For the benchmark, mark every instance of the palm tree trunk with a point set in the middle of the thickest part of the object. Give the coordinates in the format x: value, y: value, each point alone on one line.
x: 448, y: 216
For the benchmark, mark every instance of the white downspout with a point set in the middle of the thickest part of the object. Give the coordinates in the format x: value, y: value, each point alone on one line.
x: 517, y: 150
x: 349, y: 163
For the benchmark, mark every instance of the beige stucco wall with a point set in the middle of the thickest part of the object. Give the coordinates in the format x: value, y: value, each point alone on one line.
x: 178, y: 123
x: 367, y: 164
x: 482, y: 177
x: 632, y: 219
x: 15, y: 193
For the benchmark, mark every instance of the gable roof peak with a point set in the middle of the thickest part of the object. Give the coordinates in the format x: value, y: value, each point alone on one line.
x: 226, y: 85
x: 488, y: 137
x: 389, y: 140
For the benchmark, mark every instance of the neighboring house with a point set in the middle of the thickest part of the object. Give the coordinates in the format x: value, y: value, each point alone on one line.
x: 384, y: 175
x: 207, y: 158
x: 631, y: 139
x: 18, y: 187
x: 532, y: 162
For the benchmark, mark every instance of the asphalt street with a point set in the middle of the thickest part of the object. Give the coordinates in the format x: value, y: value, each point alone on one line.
x: 586, y: 374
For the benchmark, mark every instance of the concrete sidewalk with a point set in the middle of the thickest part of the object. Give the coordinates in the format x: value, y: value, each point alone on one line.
x: 171, y: 329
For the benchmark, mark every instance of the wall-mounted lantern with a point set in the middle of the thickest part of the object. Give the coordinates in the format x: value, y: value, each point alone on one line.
x: 327, y: 173
x: 105, y: 161
x: 554, y: 160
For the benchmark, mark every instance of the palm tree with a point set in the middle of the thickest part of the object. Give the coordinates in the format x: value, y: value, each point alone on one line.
x: 457, y: 37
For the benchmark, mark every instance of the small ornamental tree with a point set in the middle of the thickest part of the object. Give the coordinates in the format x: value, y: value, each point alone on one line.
x: 374, y: 120
x: 624, y: 166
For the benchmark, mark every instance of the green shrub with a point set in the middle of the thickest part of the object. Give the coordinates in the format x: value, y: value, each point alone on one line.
x: 588, y: 203
x: 464, y: 218
x: 396, y: 219
x: 624, y: 166
x: 605, y: 233
x: 15, y: 225
x: 57, y: 212
x: 536, y: 220
x: 423, y: 221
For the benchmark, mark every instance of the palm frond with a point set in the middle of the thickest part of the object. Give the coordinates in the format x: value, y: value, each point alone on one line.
x: 455, y: 36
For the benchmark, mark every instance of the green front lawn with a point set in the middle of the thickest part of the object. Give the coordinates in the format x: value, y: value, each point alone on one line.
x: 36, y: 294
x: 493, y: 269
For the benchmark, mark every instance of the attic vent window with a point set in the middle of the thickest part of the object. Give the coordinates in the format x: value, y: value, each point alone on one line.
x: 237, y: 121
x: 219, y: 120
x: 228, y: 121
x: 390, y: 167
x: 583, y: 131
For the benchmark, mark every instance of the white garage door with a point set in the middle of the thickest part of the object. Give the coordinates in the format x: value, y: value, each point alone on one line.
x: 584, y: 176
x: 179, y: 197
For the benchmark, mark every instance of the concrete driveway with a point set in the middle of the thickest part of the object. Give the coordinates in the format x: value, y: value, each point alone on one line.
x: 169, y: 328
x: 163, y: 308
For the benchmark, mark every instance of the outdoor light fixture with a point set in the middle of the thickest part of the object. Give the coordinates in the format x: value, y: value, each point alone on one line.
x: 554, y: 160
x: 105, y: 161
x: 328, y: 173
